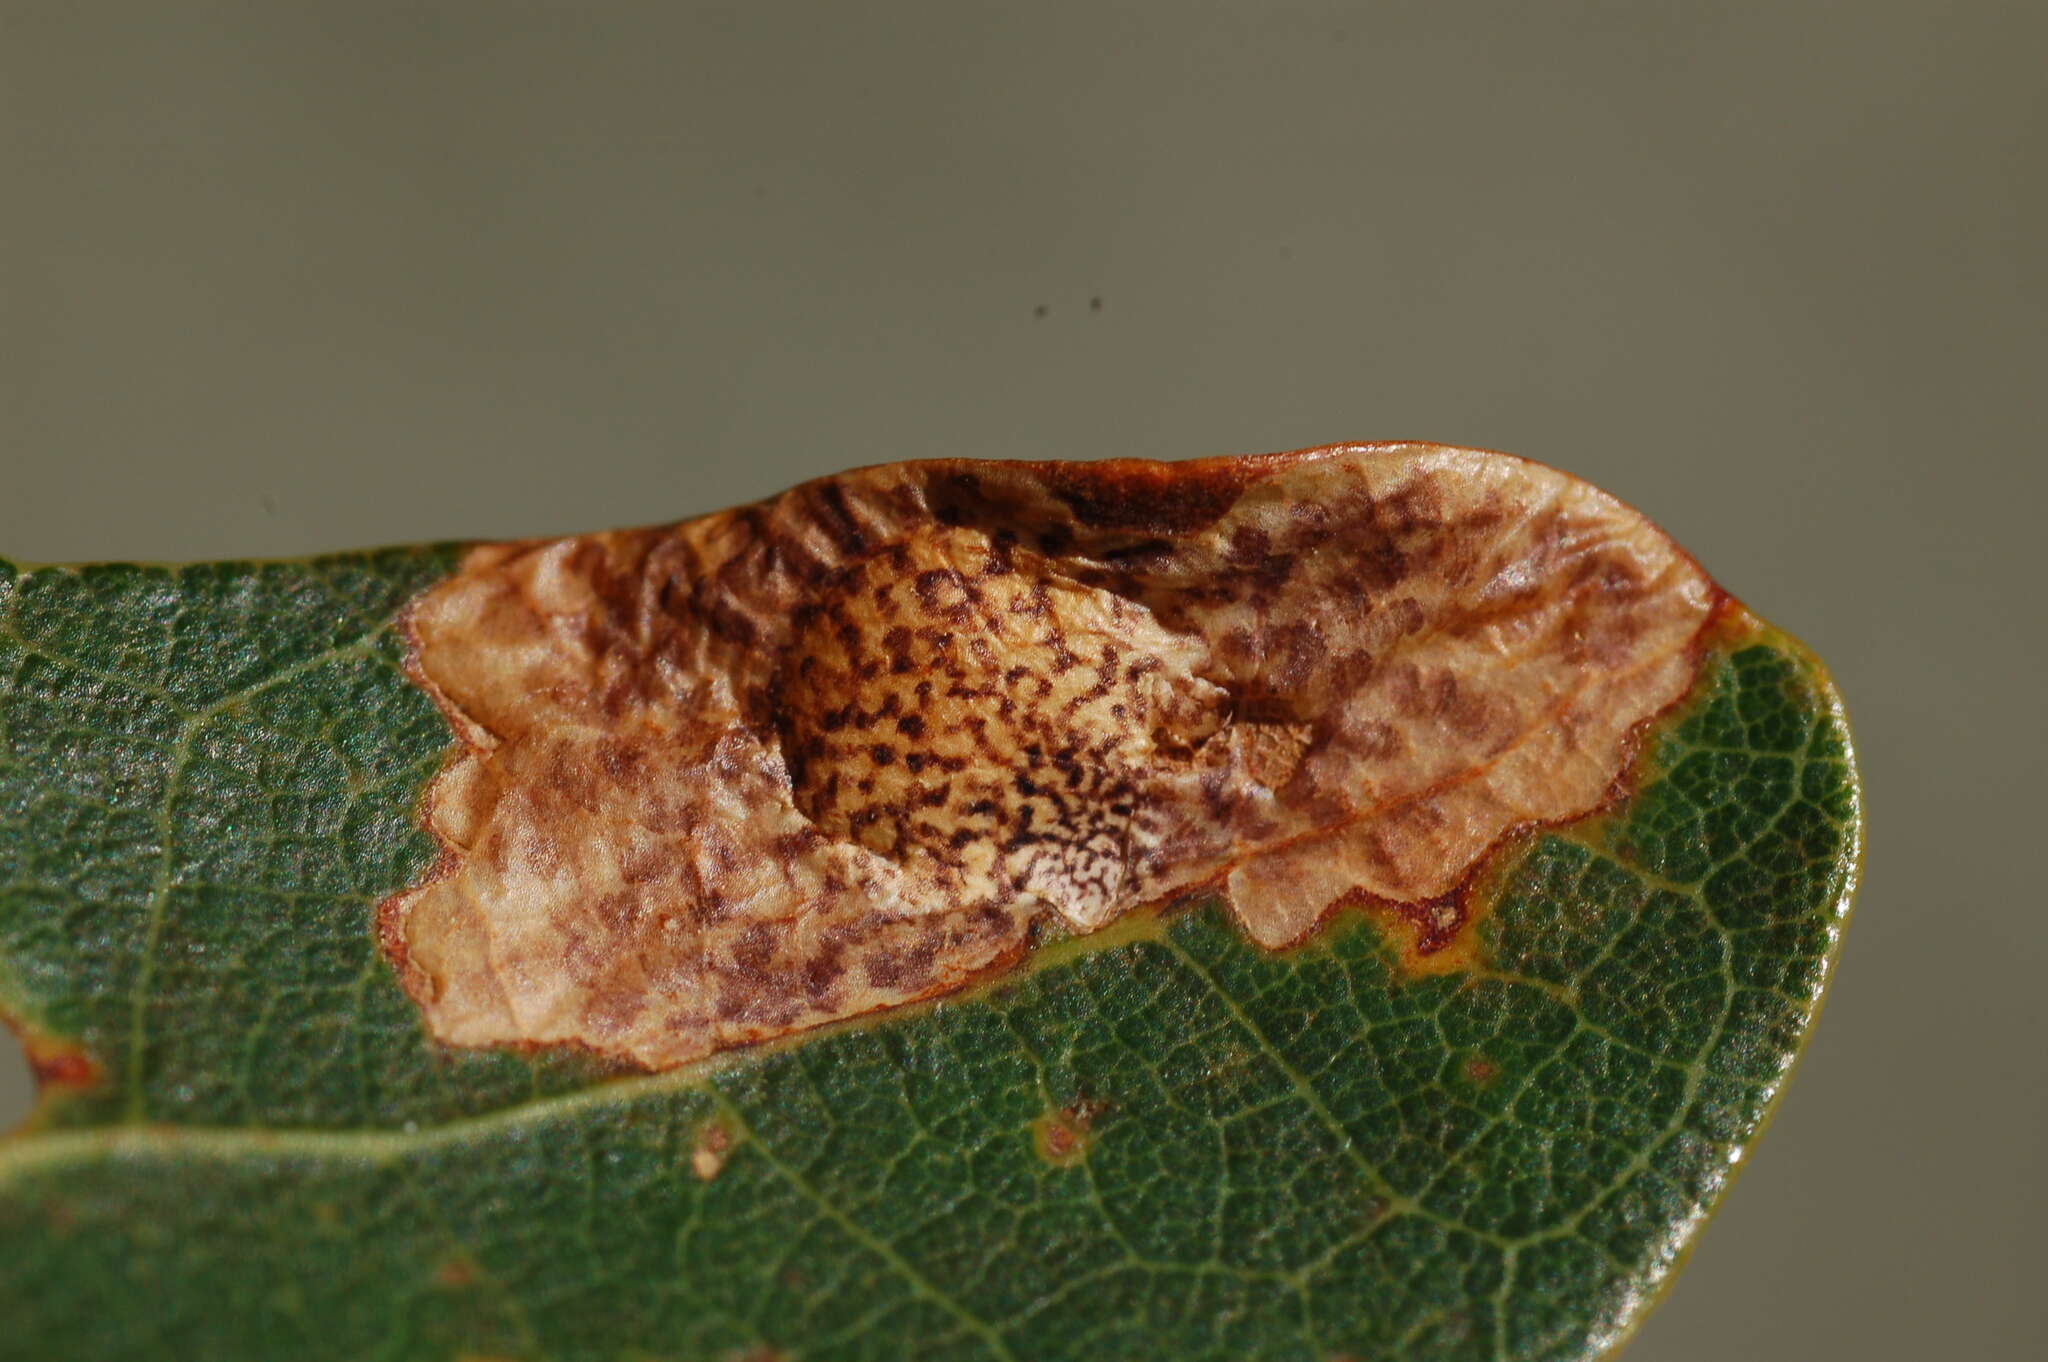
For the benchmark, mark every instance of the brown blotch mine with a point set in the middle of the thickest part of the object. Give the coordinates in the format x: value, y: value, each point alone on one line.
x: 456, y: 1274
x: 865, y: 742
x: 709, y: 1151
x: 1062, y: 1137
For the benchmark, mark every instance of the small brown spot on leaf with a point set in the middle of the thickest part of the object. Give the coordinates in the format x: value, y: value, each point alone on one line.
x: 710, y: 1150
x: 1062, y: 1138
x: 456, y: 1274
x: 864, y: 743
x: 1481, y: 1070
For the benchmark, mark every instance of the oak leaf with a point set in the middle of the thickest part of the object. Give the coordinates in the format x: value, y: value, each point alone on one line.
x: 1352, y: 903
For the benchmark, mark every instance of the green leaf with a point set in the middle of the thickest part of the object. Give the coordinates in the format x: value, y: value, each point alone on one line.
x: 1160, y: 1141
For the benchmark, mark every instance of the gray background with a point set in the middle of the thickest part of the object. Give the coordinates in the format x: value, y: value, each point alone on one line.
x: 279, y: 279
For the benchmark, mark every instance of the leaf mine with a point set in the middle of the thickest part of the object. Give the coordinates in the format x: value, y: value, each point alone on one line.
x: 1061, y: 1138
x: 710, y: 1149
x: 868, y: 741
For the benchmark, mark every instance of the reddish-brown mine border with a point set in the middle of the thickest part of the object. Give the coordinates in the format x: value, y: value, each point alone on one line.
x: 56, y: 1063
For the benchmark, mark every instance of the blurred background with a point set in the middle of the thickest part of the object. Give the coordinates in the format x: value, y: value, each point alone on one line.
x: 284, y: 278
